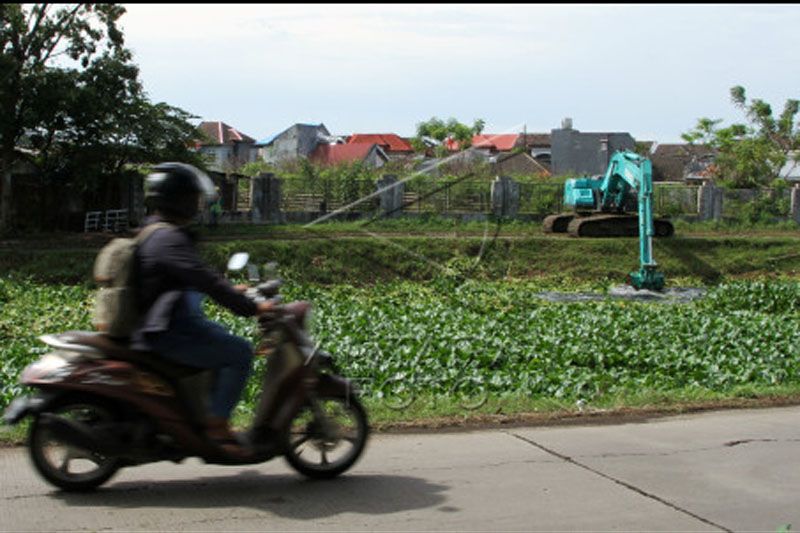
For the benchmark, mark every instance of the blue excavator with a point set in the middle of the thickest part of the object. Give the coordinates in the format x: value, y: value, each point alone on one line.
x: 618, y: 204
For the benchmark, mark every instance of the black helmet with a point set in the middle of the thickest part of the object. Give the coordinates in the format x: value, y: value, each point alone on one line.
x: 176, y: 189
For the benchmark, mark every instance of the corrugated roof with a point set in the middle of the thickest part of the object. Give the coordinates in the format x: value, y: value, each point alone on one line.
x: 390, y: 142
x: 298, y: 126
x: 221, y: 133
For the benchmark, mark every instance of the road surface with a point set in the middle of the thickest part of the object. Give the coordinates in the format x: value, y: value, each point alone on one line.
x: 732, y: 470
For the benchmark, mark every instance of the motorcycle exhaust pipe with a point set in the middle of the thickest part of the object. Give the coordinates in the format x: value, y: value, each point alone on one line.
x: 76, y: 434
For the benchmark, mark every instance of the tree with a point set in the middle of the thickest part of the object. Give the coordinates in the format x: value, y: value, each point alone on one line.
x: 30, y: 40
x: 750, y: 155
x: 442, y: 131
x: 105, y: 123
x: 70, y: 94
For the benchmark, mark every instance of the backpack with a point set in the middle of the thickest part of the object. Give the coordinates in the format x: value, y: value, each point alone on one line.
x: 116, y: 310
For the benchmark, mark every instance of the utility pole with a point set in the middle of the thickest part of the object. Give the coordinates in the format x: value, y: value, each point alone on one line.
x: 525, y: 137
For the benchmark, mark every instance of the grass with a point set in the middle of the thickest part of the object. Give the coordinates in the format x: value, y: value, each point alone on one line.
x: 443, y: 412
x: 367, y: 260
x: 434, y: 412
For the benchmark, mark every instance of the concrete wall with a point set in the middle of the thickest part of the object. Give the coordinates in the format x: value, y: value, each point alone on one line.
x: 227, y: 157
x: 374, y: 158
x: 575, y: 152
x: 298, y: 141
x: 218, y: 155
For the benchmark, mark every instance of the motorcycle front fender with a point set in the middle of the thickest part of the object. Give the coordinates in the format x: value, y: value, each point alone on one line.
x: 26, y: 405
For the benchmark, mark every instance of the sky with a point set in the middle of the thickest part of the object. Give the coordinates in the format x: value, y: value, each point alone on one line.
x: 651, y: 70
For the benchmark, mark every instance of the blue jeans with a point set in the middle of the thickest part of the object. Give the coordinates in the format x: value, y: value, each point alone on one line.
x: 199, y: 342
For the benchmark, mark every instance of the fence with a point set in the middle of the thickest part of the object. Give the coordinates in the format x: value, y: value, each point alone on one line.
x: 114, y: 220
x: 326, y: 196
x: 306, y: 199
x: 753, y: 205
x: 541, y: 199
x: 675, y: 199
x: 446, y: 197
x: 459, y: 197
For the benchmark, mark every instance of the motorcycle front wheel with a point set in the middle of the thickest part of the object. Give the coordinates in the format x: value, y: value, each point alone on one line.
x: 327, y: 436
x: 66, y: 466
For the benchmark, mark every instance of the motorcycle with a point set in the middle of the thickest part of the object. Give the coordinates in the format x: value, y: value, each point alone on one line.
x: 101, y: 406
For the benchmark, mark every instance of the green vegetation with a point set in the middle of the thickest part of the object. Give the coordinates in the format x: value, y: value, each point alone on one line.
x: 445, y: 344
x: 452, y: 129
x: 328, y: 257
x: 750, y: 155
x: 466, y: 338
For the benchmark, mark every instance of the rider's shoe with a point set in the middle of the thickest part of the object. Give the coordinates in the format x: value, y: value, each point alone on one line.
x: 219, y: 432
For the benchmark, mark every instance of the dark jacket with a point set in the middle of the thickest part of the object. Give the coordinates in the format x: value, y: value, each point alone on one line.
x: 167, y: 265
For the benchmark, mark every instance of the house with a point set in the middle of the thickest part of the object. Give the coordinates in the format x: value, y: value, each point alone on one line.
x: 576, y: 152
x: 496, y: 143
x: 518, y: 163
x: 392, y: 144
x: 333, y: 154
x: 489, y: 143
x: 791, y: 170
x: 227, y: 147
x: 680, y: 161
x: 295, y: 142
x: 538, y: 145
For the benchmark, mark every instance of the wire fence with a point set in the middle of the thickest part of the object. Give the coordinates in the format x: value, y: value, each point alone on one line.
x: 447, y: 197
x: 675, y: 199
x: 541, y: 199
x: 326, y: 195
x: 755, y: 204
x: 431, y: 195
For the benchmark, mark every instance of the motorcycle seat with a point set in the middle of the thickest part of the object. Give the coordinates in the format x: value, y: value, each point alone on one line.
x: 100, y: 344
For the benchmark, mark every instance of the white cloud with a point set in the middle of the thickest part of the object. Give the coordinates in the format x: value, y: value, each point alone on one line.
x: 398, y: 64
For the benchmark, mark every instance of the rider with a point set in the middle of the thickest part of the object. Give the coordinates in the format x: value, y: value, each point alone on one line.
x: 171, y: 279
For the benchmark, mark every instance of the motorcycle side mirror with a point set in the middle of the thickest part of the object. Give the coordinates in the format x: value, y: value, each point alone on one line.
x: 238, y: 261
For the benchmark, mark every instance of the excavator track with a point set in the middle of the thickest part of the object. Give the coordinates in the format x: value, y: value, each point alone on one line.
x: 613, y: 225
x: 557, y: 223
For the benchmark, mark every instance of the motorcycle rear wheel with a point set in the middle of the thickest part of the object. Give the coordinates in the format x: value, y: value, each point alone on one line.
x: 64, y: 465
x: 327, y: 438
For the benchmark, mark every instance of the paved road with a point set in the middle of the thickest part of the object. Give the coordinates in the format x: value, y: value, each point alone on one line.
x: 733, y: 470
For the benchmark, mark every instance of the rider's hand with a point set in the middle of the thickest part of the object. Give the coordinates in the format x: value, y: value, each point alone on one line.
x: 240, y: 288
x: 264, y: 307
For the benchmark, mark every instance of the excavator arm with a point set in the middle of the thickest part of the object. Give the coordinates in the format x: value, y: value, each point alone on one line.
x: 626, y: 171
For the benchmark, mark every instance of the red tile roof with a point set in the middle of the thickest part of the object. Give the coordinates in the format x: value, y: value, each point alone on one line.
x: 452, y: 144
x: 504, y: 142
x: 332, y: 154
x: 221, y: 133
x: 390, y: 142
